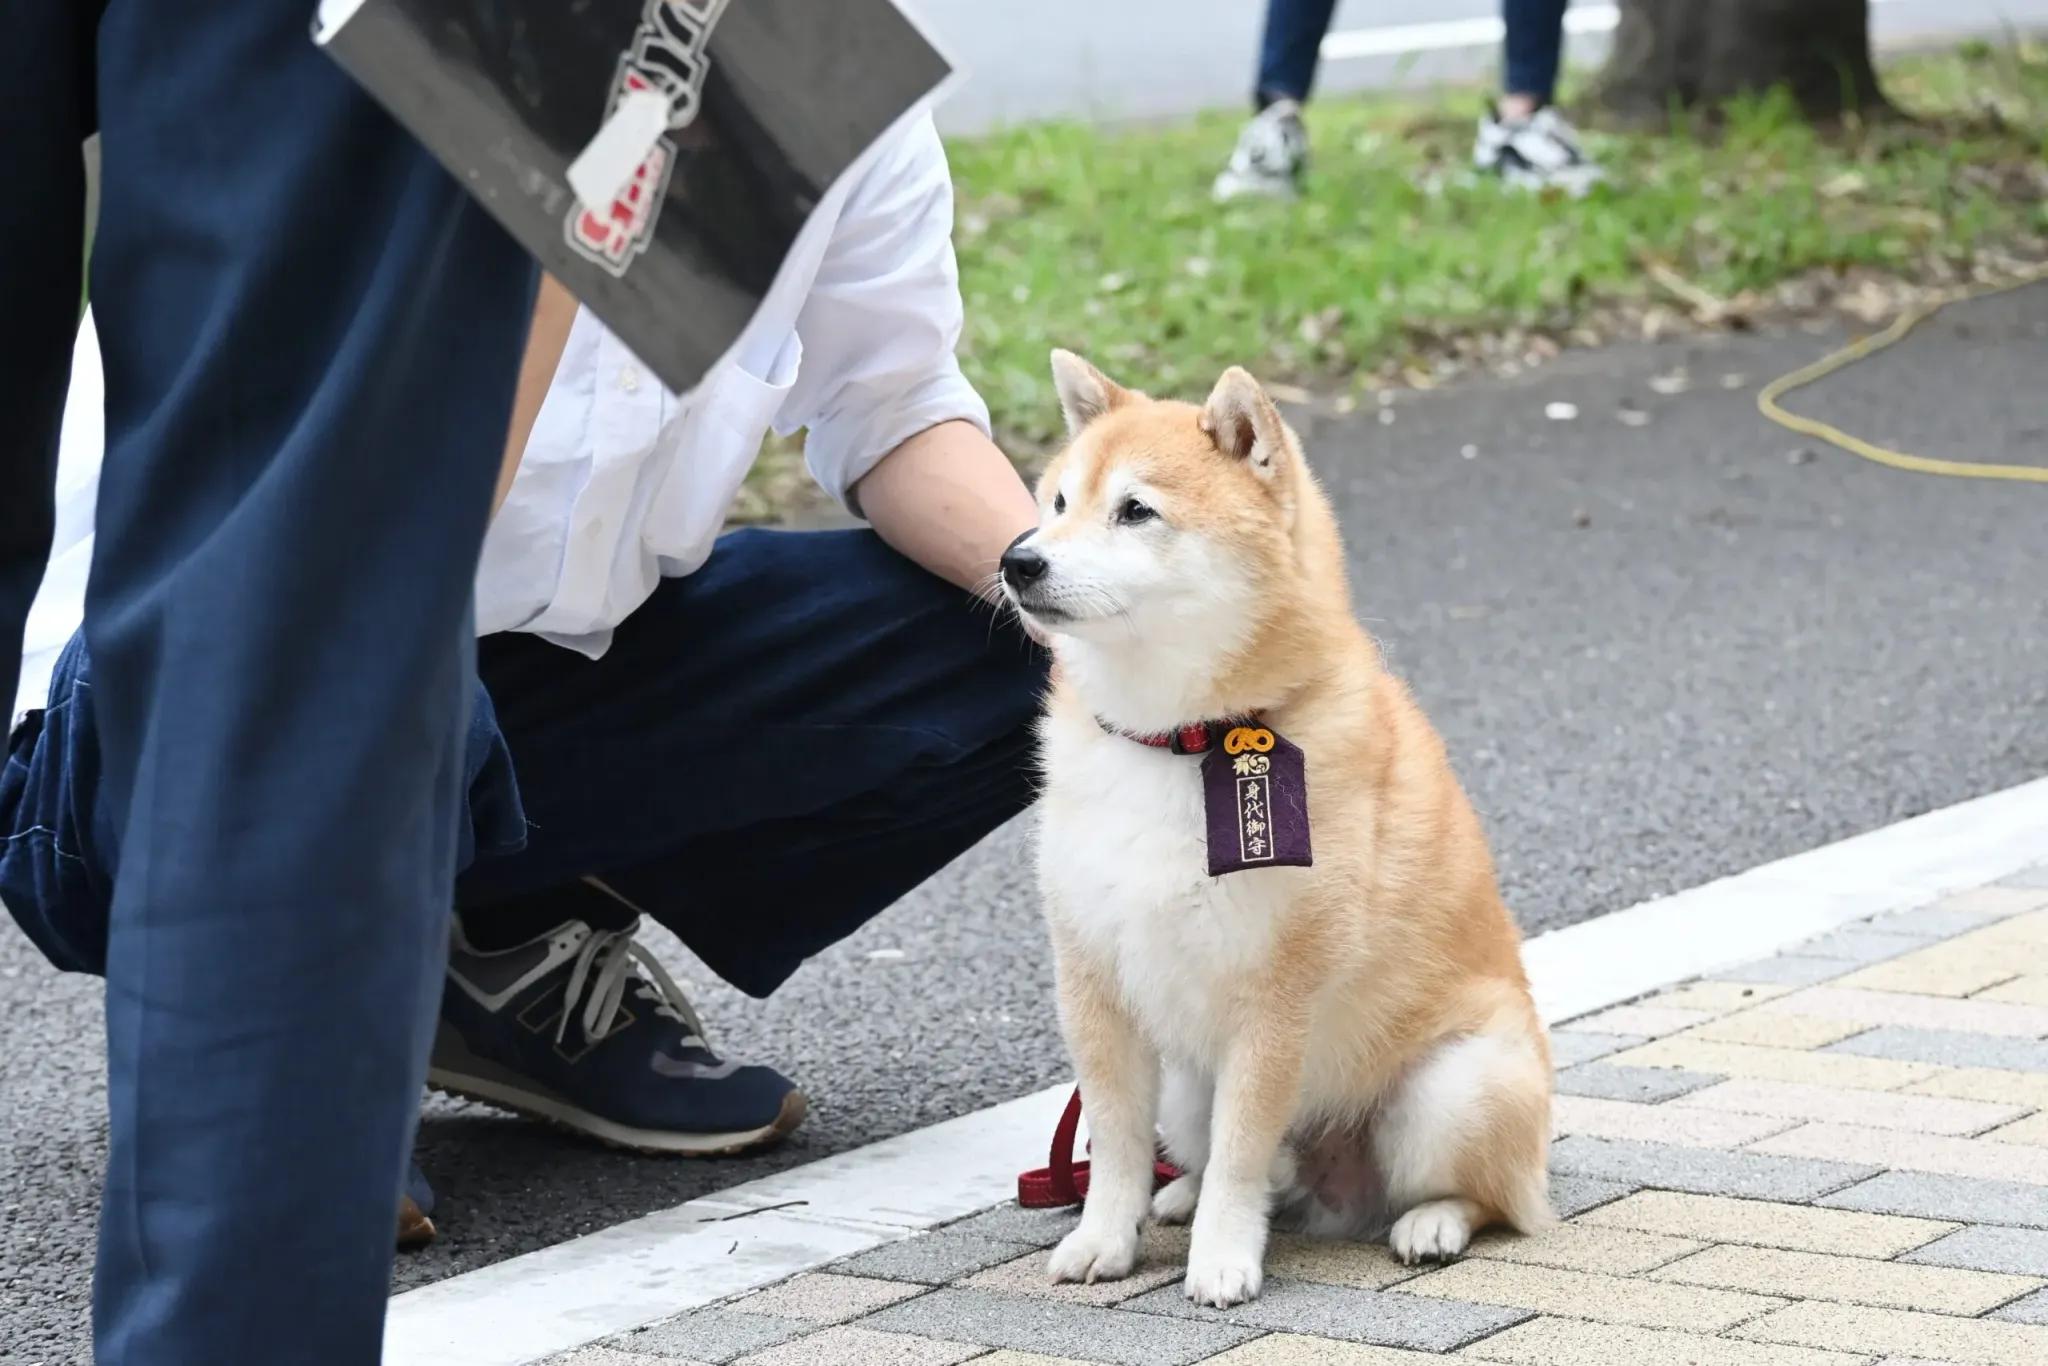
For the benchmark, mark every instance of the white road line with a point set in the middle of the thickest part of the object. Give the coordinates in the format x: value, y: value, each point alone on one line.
x: 544, y: 1302
x: 1612, y: 958
x: 1402, y: 39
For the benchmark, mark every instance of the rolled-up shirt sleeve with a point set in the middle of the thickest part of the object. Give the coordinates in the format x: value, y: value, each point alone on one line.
x: 882, y: 319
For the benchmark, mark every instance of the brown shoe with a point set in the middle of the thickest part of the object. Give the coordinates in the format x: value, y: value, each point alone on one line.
x: 415, y: 1229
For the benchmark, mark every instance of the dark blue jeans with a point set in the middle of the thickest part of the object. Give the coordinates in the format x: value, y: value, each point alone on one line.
x: 310, y: 338
x: 1295, y: 29
x: 773, y: 750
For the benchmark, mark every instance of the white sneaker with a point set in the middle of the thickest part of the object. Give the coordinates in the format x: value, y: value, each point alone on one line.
x: 1270, y: 156
x: 1540, y: 152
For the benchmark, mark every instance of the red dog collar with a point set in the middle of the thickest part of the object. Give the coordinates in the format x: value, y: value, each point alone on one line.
x: 1197, y: 737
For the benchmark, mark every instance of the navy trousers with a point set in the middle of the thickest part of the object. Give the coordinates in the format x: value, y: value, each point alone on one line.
x: 1294, y: 36
x: 310, y: 339
x: 772, y: 752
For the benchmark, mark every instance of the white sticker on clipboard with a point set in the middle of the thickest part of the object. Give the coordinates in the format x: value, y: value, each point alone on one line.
x: 600, y: 171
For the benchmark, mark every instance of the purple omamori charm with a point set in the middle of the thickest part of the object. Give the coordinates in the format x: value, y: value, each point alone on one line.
x: 1255, y: 793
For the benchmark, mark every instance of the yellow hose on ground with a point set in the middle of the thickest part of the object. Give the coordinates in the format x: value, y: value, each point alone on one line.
x: 1767, y: 398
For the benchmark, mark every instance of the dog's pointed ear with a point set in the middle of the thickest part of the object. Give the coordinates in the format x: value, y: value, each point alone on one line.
x: 1245, y: 425
x: 1085, y: 392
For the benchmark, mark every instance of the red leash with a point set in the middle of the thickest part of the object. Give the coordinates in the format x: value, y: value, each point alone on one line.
x: 1064, y: 1181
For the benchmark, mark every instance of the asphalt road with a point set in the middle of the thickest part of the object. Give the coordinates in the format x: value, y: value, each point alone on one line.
x: 1136, y: 59
x: 1660, y: 653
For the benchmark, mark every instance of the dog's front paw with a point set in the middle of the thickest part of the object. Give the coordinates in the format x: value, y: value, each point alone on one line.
x: 1220, y: 1281
x: 1433, y: 1232
x: 1092, y: 1254
x: 1174, y: 1202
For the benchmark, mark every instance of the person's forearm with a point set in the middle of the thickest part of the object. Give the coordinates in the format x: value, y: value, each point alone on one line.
x: 951, y: 501
x: 554, y: 311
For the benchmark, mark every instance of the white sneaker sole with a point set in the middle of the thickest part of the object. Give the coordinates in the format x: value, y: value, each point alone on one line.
x: 1230, y: 185
x: 524, y: 1100
x: 1574, y: 182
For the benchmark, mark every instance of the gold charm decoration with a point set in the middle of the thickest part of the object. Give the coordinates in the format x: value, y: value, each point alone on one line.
x: 1248, y: 739
x: 1249, y: 746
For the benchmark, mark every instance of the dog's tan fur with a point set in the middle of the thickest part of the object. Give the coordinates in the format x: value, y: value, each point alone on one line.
x: 1394, y: 944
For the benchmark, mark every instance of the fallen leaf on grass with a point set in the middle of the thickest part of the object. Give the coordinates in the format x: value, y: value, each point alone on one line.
x: 1317, y: 327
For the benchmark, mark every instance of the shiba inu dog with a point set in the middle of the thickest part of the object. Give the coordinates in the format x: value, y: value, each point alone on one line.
x: 1280, y: 943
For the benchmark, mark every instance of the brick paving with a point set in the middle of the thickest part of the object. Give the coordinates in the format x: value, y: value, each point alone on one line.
x: 1834, y: 1157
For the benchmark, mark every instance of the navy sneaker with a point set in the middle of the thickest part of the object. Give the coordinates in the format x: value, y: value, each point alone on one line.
x: 583, y: 1028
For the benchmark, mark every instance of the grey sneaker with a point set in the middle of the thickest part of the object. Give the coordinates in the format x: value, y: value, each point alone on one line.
x: 1540, y: 152
x: 583, y: 1028
x: 1271, y: 154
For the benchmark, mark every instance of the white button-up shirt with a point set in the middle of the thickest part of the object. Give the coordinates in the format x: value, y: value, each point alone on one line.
x: 624, y: 483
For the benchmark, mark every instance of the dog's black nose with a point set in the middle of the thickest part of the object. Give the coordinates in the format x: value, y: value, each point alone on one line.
x: 1022, y: 564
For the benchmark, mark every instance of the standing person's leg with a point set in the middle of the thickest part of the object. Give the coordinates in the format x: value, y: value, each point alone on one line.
x: 1522, y: 138
x: 310, y: 339
x: 773, y: 751
x: 1290, y: 48
x: 1272, y: 149
x: 1530, y: 57
x: 46, y: 108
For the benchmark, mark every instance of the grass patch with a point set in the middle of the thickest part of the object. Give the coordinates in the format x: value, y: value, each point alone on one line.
x: 1107, y: 242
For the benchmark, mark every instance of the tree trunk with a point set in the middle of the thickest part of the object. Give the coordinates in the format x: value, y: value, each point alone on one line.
x: 1695, y: 52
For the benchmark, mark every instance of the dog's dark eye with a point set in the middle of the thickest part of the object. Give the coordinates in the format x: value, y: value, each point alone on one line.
x: 1134, y: 512
x: 1059, y: 503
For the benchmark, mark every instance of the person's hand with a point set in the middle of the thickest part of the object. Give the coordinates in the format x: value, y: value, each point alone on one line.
x: 948, y: 499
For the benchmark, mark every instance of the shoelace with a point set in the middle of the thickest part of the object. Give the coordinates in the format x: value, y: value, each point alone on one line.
x: 605, y: 964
